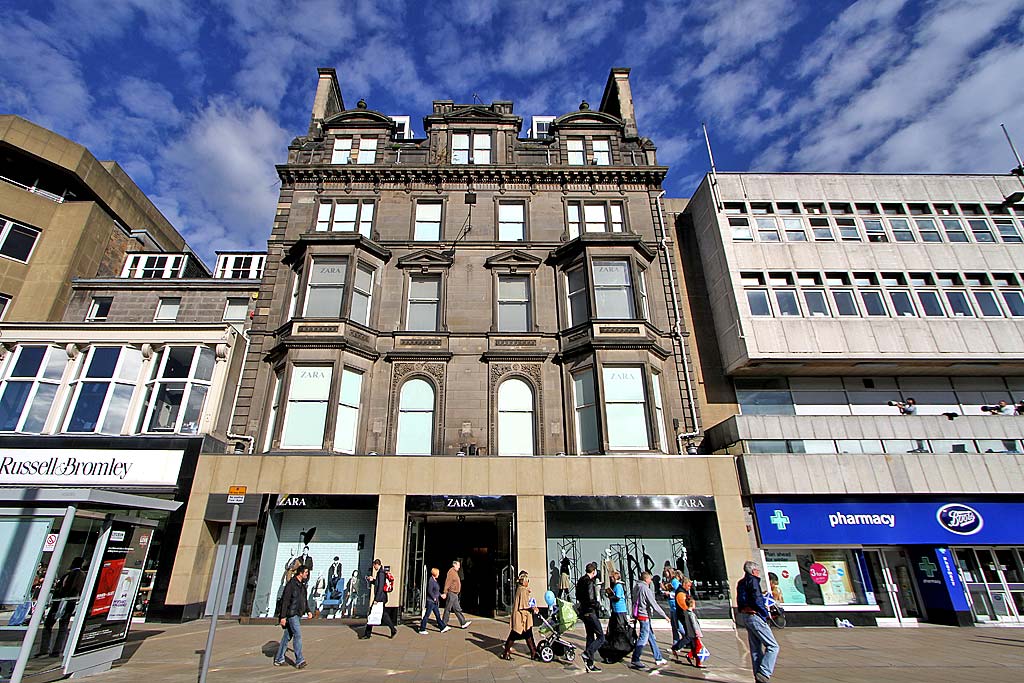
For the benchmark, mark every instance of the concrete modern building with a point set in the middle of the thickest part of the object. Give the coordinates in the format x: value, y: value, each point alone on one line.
x: 65, y: 215
x: 828, y: 302
x: 466, y: 345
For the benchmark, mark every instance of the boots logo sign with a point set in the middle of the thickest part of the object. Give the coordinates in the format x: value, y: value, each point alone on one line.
x: 460, y: 503
x: 960, y: 519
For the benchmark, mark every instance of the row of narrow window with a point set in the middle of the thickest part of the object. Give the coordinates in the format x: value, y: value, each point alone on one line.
x: 470, y: 148
x: 357, y: 215
x: 813, y: 295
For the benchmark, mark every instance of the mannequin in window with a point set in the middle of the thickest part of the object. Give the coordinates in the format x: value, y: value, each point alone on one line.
x: 564, y: 579
x: 333, y: 575
x: 306, y: 558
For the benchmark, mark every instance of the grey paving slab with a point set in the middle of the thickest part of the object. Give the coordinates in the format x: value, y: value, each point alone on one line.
x: 170, y: 653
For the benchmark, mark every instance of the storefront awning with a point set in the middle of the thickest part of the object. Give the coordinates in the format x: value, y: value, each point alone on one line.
x: 34, y: 497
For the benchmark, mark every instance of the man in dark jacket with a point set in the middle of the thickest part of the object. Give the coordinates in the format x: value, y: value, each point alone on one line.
x: 433, y: 598
x: 589, y: 606
x: 293, y: 608
x: 378, y: 579
x: 63, y: 603
x: 753, y: 614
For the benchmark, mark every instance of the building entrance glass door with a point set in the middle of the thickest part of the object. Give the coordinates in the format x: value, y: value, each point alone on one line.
x: 894, y: 589
x: 995, y: 582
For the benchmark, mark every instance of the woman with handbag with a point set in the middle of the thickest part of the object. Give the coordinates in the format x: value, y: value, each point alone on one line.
x: 523, y: 609
x: 621, y: 636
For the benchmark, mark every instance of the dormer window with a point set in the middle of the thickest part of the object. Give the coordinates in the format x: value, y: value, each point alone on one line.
x: 479, y: 152
x: 359, y: 150
x: 577, y: 156
x: 602, y: 153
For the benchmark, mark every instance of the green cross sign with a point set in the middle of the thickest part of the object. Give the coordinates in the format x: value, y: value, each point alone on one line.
x: 779, y: 520
x: 928, y: 567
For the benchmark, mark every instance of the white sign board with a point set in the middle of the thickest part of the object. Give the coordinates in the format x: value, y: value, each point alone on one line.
x: 50, y: 543
x: 70, y: 467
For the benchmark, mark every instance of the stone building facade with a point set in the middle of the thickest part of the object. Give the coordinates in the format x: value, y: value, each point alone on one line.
x: 467, y: 346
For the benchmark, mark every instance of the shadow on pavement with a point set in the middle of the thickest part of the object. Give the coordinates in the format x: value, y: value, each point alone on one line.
x: 269, y: 648
x: 134, y: 642
x: 486, y: 642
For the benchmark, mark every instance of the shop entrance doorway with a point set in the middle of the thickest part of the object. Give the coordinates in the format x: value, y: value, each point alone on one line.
x: 994, y: 578
x: 484, y: 545
x: 893, y: 583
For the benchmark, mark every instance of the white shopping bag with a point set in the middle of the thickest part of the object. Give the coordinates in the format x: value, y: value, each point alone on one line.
x: 376, y: 613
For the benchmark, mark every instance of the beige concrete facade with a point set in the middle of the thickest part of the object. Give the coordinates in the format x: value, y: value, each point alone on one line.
x: 89, y: 214
x: 392, y: 478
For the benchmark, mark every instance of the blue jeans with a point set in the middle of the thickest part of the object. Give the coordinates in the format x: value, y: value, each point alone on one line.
x: 646, y: 636
x: 674, y: 618
x: 431, y: 609
x: 291, y: 632
x: 763, y: 647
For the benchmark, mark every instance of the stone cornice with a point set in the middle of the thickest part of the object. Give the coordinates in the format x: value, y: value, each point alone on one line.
x: 396, y: 176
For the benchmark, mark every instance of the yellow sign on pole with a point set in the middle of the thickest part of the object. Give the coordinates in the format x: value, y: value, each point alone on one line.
x: 236, y: 495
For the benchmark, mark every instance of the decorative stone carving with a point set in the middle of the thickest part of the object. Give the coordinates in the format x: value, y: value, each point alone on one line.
x: 147, y: 351
x: 72, y: 351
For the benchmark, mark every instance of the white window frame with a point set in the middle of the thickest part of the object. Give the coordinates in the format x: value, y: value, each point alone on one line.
x: 519, y: 303
x: 626, y: 439
x: 153, y: 266
x: 54, y: 358
x: 346, y: 422
x: 603, y: 155
x: 6, y: 227
x: 365, y: 293
x: 436, y: 302
x: 424, y: 225
x: 188, y: 385
x: 613, y: 217
x: 580, y: 407
x: 342, y: 152
x: 240, y: 266
x: 329, y: 220
x: 276, y: 390
x: 659, y: 412
x: 94, y: 308
x: 507, y: 223
x: 477, y: 149
x: 627, y: 287
x: 113, y: 382
x: 576, y: 150
x: 297, y: 383
x: 163, y: 307
x: 367, y: 150
x: 228, y: 305
x: 313, y: 287
x: 5, y: 304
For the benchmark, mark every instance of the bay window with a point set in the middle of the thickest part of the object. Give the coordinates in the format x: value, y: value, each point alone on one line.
x: 30, y: 383
x: 362, y: 294
x: 325, y: 290
x: 103, y: 389
x: 348, y: 411
x: 613, y: 289
x: 305, y: 416
x: 177, y: 390
x: 584, y: 394
x: 659, y: 412
x: 576, y: 288
x: 625, y: 408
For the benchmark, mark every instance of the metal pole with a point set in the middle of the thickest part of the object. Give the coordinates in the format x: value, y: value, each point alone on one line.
x: 44, y: 592
x: 218, y: 598
x: 1020, y: 164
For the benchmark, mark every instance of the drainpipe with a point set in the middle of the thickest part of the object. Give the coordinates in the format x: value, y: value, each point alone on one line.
x: 251, y: 440
x: 677, y: 332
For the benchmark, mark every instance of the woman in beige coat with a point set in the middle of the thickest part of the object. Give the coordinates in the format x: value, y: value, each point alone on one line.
x: 523, y: 609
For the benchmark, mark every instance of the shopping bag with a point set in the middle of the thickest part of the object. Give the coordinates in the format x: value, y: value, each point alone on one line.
x: 376, y: 614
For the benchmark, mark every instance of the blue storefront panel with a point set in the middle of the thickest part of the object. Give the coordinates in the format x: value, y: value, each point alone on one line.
x: 889, y: 523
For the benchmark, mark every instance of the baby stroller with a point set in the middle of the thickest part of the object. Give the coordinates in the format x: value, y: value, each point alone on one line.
x: 562, y: 619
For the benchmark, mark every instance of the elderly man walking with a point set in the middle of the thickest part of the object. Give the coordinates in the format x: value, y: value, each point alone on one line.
x: 452, y: 588
x: 753, y: 614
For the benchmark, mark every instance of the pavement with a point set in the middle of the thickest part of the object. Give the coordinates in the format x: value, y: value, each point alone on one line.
x: 171, y: 653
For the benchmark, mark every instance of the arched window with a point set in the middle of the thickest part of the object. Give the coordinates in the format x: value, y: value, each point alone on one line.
x: 515, y: 418
x: 416, y: 418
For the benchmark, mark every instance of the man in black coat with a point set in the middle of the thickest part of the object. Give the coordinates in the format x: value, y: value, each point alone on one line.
x: 378, y: 579
x: 293, y: 608
x: 590, y: 604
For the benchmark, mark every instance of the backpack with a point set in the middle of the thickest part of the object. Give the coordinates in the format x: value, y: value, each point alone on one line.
x: 389, y: 582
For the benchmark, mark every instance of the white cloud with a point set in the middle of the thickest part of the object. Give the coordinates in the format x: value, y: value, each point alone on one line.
x: 219, y: 179
x: 148, y: 99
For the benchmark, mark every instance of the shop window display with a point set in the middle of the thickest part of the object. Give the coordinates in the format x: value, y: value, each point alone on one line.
x: 816, y: 577
x: 333, y: 543
x: 634, y: 542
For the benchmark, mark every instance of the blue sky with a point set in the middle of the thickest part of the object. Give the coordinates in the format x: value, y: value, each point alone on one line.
x: 198, y: 99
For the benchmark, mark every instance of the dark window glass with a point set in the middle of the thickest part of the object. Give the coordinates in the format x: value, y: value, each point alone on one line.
x: 19, y: 242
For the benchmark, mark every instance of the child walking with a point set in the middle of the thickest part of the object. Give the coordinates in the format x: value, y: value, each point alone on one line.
x: 689, y: 630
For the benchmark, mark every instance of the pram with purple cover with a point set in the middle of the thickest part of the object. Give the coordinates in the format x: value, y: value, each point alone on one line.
x: 552, y: 644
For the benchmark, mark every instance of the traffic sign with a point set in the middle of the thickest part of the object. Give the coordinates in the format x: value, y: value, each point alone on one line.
x: 236, y: 495
x: 50, y: 543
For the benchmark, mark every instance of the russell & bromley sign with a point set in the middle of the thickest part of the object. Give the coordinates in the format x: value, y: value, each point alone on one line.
x: 89, y: 467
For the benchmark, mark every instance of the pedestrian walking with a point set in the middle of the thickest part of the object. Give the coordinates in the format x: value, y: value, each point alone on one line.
x: 452, y: 588
x: 621, y: 637
x: 689, y: 631
x: 433, y: 598
x: 63, y: 602
x: 381, y: 583
x: 753, y: 614
x: 645, y: 605
x: 294, y: 607
x: 672, y: 588
x: 589, y: 605
x: 523, y: 609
